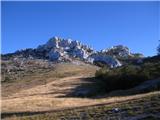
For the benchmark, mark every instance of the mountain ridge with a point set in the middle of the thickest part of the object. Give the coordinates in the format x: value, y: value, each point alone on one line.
x: 66, y: 50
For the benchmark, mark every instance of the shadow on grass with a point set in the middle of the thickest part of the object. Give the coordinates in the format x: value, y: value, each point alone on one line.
x: 19, y: 114
x: 90, y: 88
x: 96, y: 88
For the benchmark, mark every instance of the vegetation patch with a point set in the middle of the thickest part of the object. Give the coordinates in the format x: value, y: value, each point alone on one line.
x: 128, y: 76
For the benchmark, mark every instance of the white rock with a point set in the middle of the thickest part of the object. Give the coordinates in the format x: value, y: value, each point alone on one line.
x: 116, y: 109
x: 58, y: 49
x: 109, y: 60
x: 118, y: 50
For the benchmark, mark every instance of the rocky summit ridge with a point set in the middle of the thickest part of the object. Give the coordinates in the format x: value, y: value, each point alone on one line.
x: 67, y: 50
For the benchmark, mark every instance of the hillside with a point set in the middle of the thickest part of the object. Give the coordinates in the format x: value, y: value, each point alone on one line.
x: 45, y: 90
x: 42, y: 76
x: 65, y: 79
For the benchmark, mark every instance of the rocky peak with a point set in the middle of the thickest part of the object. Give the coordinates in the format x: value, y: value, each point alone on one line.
x: 58, y: 49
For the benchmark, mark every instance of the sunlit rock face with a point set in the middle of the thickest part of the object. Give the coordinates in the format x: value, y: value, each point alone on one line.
x: 107, y: 59
x: 58, y: 49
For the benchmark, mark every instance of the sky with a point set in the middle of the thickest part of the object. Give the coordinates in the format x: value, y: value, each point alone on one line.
x: 98, y: 24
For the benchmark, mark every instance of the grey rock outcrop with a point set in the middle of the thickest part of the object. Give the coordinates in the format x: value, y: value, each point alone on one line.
x: 119, y: 51
x: 57, y: 49
x: 60, y: 49
x: 107, y: 59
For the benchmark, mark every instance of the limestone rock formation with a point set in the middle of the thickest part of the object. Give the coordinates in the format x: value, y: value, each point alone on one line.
x: 107, y: 59
x: 61, y: 50
x: 119, y: 51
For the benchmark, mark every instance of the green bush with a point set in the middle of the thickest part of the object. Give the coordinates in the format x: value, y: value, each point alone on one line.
x: 126, y: 77
x: 101, y: 72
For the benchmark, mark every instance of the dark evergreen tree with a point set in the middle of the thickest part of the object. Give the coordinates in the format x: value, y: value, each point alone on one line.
x: 158, y: 49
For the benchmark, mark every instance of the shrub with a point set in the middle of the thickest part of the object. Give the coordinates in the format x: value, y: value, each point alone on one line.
x: 6, y: 79
x: 126, y: 77
x: 101, y: 64
x: 100, y: 73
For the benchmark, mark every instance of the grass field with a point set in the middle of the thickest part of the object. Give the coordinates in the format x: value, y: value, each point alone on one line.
x: 139, y: 107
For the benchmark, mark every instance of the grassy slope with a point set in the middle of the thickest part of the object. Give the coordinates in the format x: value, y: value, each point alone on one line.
x: 45, y: 90
x: 44, y: 76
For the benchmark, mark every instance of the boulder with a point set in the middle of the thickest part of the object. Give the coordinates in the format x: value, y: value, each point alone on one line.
x: 109, y: 60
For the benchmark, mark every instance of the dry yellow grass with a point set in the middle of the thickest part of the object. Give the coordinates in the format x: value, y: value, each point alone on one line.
x: 35, y: 79
x: 40, y: 91
x: 39, y: 99
x: 40, y: 103
x: 49, y: 96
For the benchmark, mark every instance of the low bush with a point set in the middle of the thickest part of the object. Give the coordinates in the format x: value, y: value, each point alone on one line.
x: 128, y: 76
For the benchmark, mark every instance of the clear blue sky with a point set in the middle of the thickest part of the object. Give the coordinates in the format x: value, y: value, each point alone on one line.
x: 99, y: 24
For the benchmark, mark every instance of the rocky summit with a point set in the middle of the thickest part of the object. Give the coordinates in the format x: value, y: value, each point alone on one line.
x: 57, y: 49
x: 67, y: 50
